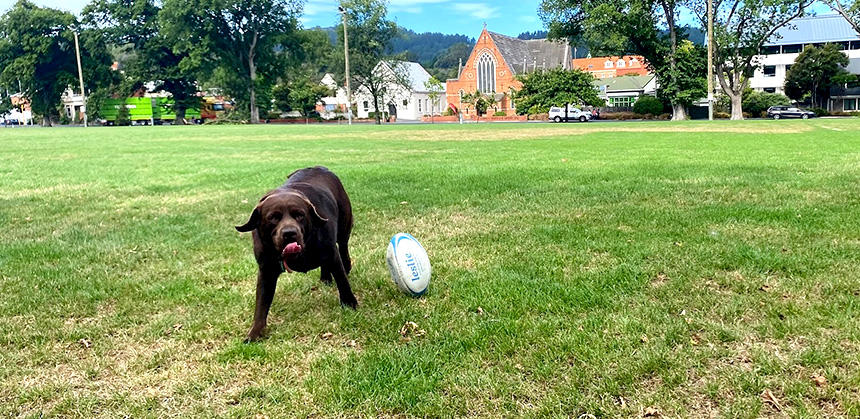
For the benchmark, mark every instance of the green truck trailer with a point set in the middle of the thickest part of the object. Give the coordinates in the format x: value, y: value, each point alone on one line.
x: 146, y: 110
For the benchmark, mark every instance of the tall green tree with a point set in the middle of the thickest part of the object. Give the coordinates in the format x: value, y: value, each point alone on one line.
x: 239, y: 38
x: 133, y: 27
x: 689, y: 81
x: 546, y: 88
x: 741, y: 27
x: 434, y: 90
x: 815, y: 71
x: 372, y: 68
x: 614, y: 27
x: 37, y: 53
x: 849, y: 9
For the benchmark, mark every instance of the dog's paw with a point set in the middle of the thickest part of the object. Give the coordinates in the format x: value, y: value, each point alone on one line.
x: 254, y: 334
x: 349, y: 301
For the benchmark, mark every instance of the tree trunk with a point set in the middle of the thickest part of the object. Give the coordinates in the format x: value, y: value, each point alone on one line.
x: 737, y: 105
x: 679, y: 112
x: 180, y: 115
x: 377, y: 116
x: 252, y: 69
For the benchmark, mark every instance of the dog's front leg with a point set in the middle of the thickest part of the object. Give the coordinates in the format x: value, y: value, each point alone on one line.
x: 267, y: 280
x: 347, y: 298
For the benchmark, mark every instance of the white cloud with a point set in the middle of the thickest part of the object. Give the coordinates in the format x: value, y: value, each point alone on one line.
x: 315, y: 7
x: 477, y: 10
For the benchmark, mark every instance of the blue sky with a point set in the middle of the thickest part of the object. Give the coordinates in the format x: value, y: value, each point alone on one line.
x: 466, y: 17
x: 446, y: 16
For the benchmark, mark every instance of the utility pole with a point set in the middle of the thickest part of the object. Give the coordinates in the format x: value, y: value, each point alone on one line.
x: 710, y: 60
x: 81, y: 79
x: 346, y: 65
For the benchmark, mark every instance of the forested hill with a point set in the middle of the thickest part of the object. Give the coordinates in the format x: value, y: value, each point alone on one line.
x: 422, y: 47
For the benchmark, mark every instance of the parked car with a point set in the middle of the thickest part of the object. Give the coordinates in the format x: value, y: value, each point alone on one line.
x: 777, y: 112
x: 557, y: 114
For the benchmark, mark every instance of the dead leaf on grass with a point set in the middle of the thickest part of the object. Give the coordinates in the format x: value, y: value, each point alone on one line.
x: 410, y: 330
x: 765, y: 288
x: 326, y: 335
x: 85, y: 343
x: 651, y: 412
x: 819, y: 380
x: 768, y: 397
x: 644, y: 339
x: 480, y: 310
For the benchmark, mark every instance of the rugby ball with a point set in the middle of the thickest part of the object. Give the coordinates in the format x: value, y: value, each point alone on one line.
x: 409, y: 264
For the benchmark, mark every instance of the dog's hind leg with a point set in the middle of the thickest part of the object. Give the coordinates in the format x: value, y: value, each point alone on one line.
x: 343, y: 249
x: 347, y: 298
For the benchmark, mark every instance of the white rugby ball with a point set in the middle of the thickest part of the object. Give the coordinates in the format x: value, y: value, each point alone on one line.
x: 409, y: 264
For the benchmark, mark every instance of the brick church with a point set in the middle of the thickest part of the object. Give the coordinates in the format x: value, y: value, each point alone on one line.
x: 495, y: 61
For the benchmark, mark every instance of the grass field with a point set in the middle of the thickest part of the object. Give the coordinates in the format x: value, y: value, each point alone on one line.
x: 699, y: 269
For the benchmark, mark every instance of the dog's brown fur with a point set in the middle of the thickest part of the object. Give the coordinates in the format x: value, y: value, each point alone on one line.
x: 313, y: 210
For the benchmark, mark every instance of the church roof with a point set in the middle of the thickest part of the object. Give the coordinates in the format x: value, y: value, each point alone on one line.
x: 534, y: 53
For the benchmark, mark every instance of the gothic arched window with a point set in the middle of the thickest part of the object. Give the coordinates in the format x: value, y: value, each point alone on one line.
x: 486, y: 73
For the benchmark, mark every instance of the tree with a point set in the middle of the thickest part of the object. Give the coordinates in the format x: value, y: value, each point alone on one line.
x: 849, y: 9
x: 238, y: 37
x: 370, y: 35
x: 305, y: 94
x: 434, y: 90
x: 815, y: 71
x: 688, y: 81
x: 616, y: 27
x: 37, y: 53
x: 755, y: 102
x: 133, y: 26
x: 543, y: 89
x: 741, y: 27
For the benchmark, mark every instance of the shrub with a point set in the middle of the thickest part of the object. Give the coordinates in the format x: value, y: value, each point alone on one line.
x: 722, y: 115
x: 755, y: 102
x: 500, y: 113
x: 664, y: 116
x: 621, y: 116
x: 845, y: 113
x: 448, y: 112
x: 648, y: 105
x: 538, y: 116
x: 372, y: 115
x: 122, y: 117
x: 820, y: 111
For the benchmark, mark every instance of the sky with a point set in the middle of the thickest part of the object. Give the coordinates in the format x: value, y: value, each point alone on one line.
x: 509, y: 17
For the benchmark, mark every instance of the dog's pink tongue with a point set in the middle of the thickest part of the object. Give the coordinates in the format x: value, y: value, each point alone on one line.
x: 292, y: 248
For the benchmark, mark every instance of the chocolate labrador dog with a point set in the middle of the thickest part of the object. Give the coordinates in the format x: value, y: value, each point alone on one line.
x: 302, y: 225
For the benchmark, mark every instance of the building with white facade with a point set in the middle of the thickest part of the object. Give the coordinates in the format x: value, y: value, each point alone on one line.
x: 408, y: 102
x: 779, y: 54
x: 331, y: 107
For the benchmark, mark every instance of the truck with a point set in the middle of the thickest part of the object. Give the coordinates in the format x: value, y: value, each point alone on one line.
x: 147, y: 111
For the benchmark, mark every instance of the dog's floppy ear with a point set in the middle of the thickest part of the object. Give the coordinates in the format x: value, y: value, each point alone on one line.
x: 252, y: 223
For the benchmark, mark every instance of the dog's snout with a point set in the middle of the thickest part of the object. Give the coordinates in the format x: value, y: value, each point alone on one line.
x: 289, y: 235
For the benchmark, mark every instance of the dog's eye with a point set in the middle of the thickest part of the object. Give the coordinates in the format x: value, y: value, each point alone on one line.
x: 298, y: 215
x: 275, y: 216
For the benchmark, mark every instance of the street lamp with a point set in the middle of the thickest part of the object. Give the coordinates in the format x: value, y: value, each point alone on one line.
x: 81, y: 79
x: 342, y: 12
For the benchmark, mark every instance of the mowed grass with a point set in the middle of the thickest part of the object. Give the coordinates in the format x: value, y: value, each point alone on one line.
x: 699, y: 269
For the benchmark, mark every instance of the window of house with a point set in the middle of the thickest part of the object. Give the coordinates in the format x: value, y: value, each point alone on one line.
x: 773, y: 49
x: 855, y: 45
x: 405, y: 102
x: 844, y: 45
x: 620, y: 63
x: 770, y: 71
x: 791, y: 49
x: 486, y: 73
x: 787, y: 67
x: 366, y: 105
x: 634, y: 62
x: 770, y: 89
x: 590, y: 66
x: 849, y: 104
x: 622, y: 101
x: 607, y: 64
x: 419, y: 105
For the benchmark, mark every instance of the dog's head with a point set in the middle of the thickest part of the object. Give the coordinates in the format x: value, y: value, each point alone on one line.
x: 282, y: 218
